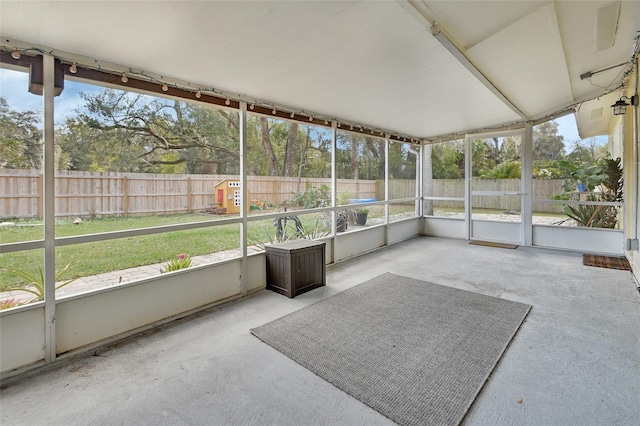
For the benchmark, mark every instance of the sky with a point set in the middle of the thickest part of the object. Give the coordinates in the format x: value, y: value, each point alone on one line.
x: 13, y: 87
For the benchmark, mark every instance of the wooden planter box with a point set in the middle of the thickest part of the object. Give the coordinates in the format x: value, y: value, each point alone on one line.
x: 295, y: 267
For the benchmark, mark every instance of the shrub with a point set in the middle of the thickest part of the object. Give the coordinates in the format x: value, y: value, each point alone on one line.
x: 34, y: 284
x: 182, y: 262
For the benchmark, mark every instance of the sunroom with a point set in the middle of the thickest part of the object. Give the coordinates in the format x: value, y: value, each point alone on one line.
x: 154, y: 149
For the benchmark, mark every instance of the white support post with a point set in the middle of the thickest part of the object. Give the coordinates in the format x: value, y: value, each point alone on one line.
x: 527, y: 185
x: 244, y: 203
x: 419, y: 180
x: 386, y: 190
x: 48, y: 164
x: 334, y: 185
x: 467, y: 187
x: 426, y: 170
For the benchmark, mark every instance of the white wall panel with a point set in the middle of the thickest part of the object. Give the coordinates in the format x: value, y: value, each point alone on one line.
x: 443, y: 227
x: 256, y: 267
x: 403, y: 230
x: 506, y: 232
x: 608, y: 241
x: 21, y: 337
x: 93, y: 317
x: 349, y: 244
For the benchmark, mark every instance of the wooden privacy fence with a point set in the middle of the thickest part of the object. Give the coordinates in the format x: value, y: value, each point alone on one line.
x: 543, y: 189
x: 114, y: 193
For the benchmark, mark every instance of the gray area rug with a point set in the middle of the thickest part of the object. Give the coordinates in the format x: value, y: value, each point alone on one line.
x: 416, y: 352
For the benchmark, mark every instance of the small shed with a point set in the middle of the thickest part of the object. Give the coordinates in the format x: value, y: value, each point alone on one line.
x: 227, y: 196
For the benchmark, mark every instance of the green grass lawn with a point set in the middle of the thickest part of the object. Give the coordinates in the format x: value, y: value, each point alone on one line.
x: 113, y: 255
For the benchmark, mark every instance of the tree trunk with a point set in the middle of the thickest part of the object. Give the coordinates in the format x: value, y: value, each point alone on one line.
x: 290, y: 150
x: 303, y: 157
x: 268, y: 148
x: 355, y: 170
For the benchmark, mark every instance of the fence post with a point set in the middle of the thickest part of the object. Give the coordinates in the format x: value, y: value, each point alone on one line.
x: 125, y: 196
x: 40, y: 189
x: 189, y: 195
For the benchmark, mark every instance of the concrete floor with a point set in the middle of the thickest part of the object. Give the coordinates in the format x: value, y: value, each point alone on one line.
x: 575, y: 361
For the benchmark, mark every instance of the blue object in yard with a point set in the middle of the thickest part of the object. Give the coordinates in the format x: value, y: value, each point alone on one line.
x: 362, y: 200
x: 582, y: 187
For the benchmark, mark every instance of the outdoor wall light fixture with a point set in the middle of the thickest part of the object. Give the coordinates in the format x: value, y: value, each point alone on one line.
x: 620, y: 107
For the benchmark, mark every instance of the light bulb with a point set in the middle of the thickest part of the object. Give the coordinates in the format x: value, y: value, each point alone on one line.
x: 124, y: 79
x: 274, y: 111
x: 165, y: 87
x: 326, y: 122
x: 310, y: 118
x: 198, y: 94
x: 351, y: 128
x: 251, y: 107
x: 292, y: 115
x: 339, y: 124
x: 227, y: 102
x: 73, y: 69
x: 372, y: 132
x: 16, y: 54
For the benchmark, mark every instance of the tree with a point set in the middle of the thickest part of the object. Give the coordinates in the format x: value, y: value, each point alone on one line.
x: 448, y: 160
x: 587, y: 151
x: 20, y: 138
x: 268, y: 148
x: 547, y: 143
x: 290, y: 149
x: 123, y: 131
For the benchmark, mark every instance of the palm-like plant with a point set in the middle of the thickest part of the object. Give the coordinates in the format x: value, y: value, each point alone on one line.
x: 506, y: 170
x: 34, y: 283
x: 611, y: 184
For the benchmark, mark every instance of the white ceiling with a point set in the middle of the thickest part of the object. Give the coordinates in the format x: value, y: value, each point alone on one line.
x: 370, y: 62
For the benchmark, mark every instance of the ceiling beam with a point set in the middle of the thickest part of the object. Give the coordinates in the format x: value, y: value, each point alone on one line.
x: 422, y: 12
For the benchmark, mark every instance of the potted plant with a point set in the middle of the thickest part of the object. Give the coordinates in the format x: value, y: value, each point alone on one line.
x: 341, y: 220
x: 361, y: 216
